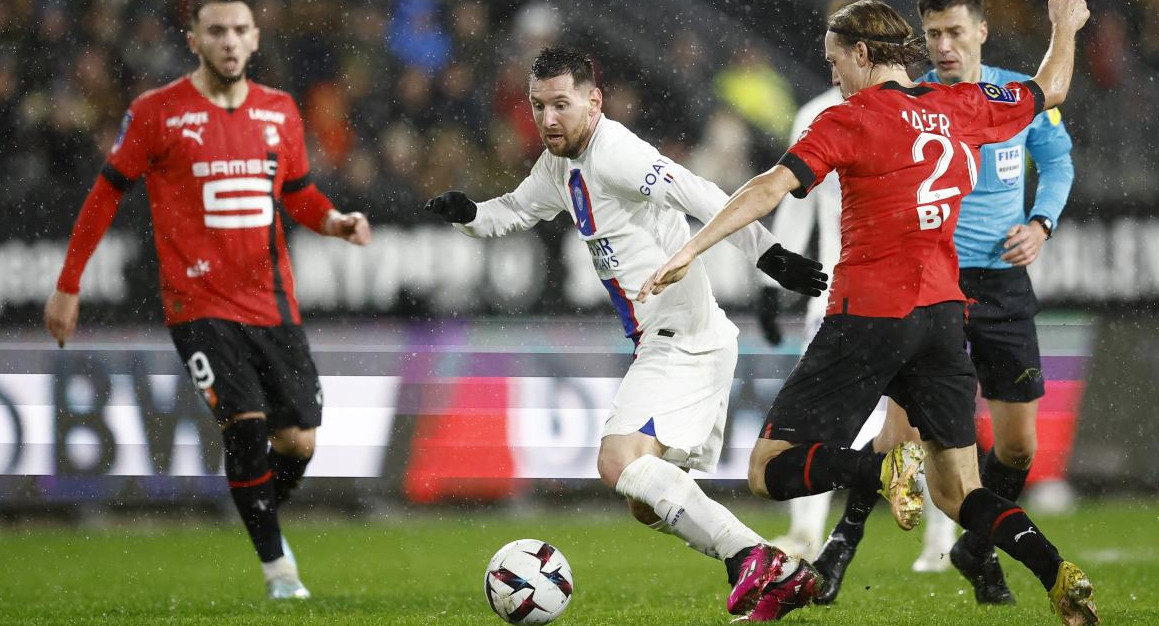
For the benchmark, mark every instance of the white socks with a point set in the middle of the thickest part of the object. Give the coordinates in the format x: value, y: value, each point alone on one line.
x: 281, y: 567
x: 684, y: 509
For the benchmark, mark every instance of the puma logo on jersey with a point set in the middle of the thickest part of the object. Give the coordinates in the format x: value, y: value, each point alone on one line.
x: 196, y: 136
x: 1028, y: 531
x: 187, y: 119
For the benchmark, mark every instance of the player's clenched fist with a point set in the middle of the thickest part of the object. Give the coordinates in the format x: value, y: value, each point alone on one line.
x: 1071, y: 14
x: 352, y: 227
x: 453, y: 206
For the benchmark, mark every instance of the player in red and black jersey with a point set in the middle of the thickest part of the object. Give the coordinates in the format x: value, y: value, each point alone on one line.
x: 220, y: 156
x: 905, y: 155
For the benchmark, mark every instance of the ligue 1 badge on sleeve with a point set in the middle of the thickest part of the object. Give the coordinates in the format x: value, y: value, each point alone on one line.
x: 272, y: 137
x: 997, y: 94
x: 125, y: 121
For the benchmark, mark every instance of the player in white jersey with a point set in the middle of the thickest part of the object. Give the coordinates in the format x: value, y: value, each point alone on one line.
x: 629, y: 204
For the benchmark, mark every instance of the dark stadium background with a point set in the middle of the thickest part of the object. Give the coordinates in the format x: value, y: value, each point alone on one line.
x: 405, y: 99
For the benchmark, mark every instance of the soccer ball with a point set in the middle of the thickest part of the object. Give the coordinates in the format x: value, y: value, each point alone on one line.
x: 528, y: 582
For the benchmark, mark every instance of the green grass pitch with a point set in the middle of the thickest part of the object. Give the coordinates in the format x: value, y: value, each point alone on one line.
x: 427, y: 568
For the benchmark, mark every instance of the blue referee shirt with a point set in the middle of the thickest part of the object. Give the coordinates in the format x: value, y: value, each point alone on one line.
x: 999, y: 200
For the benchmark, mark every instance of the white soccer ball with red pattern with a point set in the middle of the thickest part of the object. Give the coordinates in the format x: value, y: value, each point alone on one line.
x: 528, y: 582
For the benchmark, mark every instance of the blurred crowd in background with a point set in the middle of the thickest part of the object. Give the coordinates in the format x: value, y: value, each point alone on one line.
x: 404, y: 99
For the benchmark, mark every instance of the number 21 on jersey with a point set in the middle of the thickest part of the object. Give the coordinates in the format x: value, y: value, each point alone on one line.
x: 932, y: 211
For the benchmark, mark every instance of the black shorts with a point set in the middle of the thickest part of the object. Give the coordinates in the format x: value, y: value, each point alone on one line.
x: 1001, y: 333
x: 919, y: 360
x: 239, y: 368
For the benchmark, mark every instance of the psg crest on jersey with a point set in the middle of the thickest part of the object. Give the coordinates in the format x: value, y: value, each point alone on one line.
x: 272, y: 137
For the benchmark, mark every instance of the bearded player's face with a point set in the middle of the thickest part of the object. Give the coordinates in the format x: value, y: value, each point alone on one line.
x: 225, y: 37
x: 564, y: 113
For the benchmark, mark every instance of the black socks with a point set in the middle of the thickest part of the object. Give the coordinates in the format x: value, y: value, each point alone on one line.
x: 1006, y: 526
x: 288, y: 471
x: 251, y: 485
x: 807, y: 469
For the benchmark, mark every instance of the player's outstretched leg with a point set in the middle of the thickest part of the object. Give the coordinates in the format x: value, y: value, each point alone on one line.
x: 780, y: 597
x: 706, y: 526
x: 1070, y: 591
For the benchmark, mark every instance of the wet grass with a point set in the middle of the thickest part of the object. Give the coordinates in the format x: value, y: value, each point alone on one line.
x: 427, y: 568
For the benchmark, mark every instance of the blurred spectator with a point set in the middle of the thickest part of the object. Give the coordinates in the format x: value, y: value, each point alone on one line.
x: 758, y: 92
x: 416, y: 38
x: 722, y: 154
x: 400, y: 149
x: 415, y: 88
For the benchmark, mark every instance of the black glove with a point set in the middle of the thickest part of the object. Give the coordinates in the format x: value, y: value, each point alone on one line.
x: 768, y: 309
x: 453, y: 206
x: 793, y: 271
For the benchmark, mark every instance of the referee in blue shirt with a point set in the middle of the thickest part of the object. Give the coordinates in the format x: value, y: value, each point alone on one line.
x: 996, y: 238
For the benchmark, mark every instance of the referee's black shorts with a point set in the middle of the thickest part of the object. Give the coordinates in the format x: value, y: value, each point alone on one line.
x: 1001, y: 333
x: 919, y: 360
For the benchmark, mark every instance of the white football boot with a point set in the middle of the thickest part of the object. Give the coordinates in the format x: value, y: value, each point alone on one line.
x: 281, y: 576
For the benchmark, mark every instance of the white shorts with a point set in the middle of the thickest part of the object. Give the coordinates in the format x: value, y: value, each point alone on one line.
x: 684, y: 394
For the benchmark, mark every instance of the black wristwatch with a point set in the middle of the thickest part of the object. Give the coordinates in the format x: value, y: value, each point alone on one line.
x: 1047, y: 224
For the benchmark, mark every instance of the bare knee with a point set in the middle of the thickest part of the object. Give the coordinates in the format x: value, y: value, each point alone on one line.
x: 610, y: 466
x: 1018, y: 454
x: 764, y: 451
x: 293, y: 441
x: 619, y: 451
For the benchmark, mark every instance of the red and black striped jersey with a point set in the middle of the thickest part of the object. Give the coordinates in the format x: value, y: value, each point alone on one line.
x: 905, y: 157
x: 215, y: 178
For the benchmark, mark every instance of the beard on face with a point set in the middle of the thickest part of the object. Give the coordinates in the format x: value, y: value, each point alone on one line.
x: 223, y: 78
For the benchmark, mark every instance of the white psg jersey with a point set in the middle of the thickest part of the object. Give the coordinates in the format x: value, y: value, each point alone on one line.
x: 794, y: 219
x: 628, y: 203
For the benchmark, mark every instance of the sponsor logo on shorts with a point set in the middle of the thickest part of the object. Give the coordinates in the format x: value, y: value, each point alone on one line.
x: 1030, y: 374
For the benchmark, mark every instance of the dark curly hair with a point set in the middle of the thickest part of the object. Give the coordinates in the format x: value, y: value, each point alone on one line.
x: 552, y: 62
